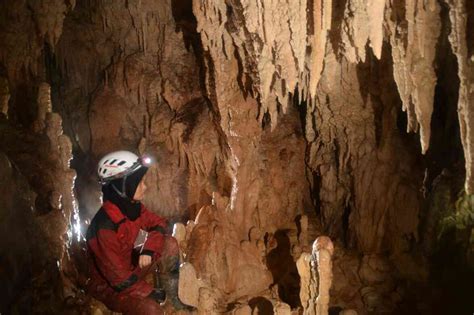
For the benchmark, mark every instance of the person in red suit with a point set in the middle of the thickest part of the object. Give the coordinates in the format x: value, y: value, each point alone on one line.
x: 117, y: 269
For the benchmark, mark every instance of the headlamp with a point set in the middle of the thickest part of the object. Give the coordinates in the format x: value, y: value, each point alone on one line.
x: 146, y: 161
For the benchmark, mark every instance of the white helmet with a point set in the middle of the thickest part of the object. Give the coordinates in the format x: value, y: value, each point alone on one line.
x: 119, y: 164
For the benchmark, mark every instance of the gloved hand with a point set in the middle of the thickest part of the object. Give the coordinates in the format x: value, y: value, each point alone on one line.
x: 159, y: 295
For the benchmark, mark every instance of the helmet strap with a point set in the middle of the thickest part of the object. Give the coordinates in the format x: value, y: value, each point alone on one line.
x: 121, y: 193
x: 123, y: 187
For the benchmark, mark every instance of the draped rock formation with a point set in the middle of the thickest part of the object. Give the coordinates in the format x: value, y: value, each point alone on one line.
x: 272, y: 123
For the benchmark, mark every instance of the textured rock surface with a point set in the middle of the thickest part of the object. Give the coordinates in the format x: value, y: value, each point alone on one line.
x: 272, y: 123
x: 316, y: 277
x: 461, y: 43
x: 38, y: 213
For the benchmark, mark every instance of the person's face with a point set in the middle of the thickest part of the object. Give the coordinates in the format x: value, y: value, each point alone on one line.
x: 140, y: 192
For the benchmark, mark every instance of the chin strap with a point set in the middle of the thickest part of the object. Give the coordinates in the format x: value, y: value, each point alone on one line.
x: 121, y: 193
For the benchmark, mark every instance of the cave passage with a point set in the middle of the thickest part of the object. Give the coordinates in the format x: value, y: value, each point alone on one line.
x: 309, y: 157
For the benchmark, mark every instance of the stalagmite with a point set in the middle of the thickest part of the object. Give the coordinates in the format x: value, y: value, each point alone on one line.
x: 208, y: 304
x: 179, y: 233
x: 303, y: 236
x: 65, y: 149
x: 4, y: 96
x: 54, y: 130
x: 44, y: 106
x: 281, y: 309
x: 189, y: 285
x: 303, y: 265
x: 315, y: 272
x: 271, y: 122
x: 321, y: 263
x: 242, y: 310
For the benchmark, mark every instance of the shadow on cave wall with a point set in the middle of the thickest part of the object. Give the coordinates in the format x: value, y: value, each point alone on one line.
x: 261, y: 306
x: 451, y: 270
x: 283, y: 269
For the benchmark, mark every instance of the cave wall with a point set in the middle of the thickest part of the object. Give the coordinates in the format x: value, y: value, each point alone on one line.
x: 132, y: 84
x: 38, y: 210
x: 257, y: 113
x: 354, y: 66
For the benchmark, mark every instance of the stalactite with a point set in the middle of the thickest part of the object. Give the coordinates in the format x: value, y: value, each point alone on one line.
x: 413, y: 52
x: 375, y: 10
x: 458, y: 40
x: 240, y: 146
x: 363, y: 23
x: 321, y: 15
x: 355, y: 30
x: 271, y: 44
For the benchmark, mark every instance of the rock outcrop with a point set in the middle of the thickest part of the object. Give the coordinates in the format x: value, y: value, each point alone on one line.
x: 272, y: 123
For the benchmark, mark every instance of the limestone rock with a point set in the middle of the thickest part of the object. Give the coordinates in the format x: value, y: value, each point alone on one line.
x: 459, y: 44
x: 267, y: 119
x: 189, y: 285
x: 4, y: 96
x: 44, y: 106
x: 316, y: 277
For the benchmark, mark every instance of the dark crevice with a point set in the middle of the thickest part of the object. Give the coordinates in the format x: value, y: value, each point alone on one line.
x: 283, y: 268
x: 369, y: 75
x: 189, y: 115
x: 315, y: 193
x: 266, y: 120
x: 448, y: 252
x: 337, y: 20
x: 310, y: 18
x: 185, y: 20
x: 261, y: 306
x: 398, y: 16
x: 345, y: 224
x: 312, y: 177
x: 186, y: 23
x: 445, y: 149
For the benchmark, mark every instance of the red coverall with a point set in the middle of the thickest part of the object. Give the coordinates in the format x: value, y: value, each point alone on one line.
x: 114, y: 279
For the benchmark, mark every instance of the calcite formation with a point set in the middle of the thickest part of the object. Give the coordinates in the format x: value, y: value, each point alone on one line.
x: 4, y: 96
x: 281, y: 46
x: 465, y: 57
x: 272, y: 123
x: 315, y: 270
x: 287, y: 52
x: 40, y: 205
x: 203, y: 292
x: 44, y: 106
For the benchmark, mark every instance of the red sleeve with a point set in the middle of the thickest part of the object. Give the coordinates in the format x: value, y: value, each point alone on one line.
x: 156, y: 228
x: 115, y: 267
